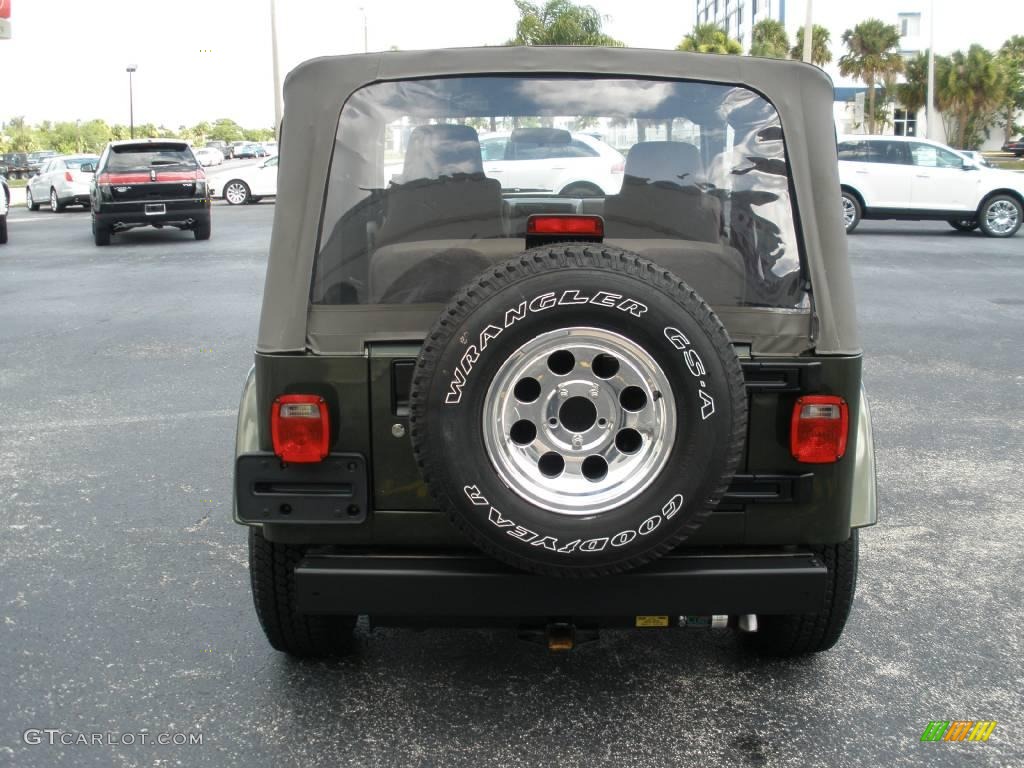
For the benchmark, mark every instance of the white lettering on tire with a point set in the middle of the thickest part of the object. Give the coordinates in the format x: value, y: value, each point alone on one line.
x: 514, y: 314
x: 695, y: 366
x: 534, y: 539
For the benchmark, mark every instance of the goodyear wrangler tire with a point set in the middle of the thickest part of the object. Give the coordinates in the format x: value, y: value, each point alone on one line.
x: 577, y: 411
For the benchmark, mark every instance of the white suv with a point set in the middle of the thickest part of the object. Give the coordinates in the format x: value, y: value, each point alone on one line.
x: 901, y: 177
x: 552, y: 160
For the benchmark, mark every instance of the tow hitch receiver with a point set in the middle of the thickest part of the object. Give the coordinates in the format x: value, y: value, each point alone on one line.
x: 561, y: 637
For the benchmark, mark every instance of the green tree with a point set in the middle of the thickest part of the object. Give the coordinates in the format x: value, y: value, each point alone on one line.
x: 1011, y: 59
x: 22, y: 137
x: 709, y: 38
x: 972, y: 91
x: 94, y: 135
x: 226, y: 130
x: 769, y: 39
x: 560, y: 22
x: 873, y: 57
x: 257, y: 134
x: 821, y: 54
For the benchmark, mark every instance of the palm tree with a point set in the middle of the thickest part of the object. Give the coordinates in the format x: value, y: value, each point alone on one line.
x: 972, y: 90
x: 1011, y: 59
x: 913, y: 94
x: 769, y: 39
x: 559, y: 22
x: 873, y: 56
x: 709, y: 38
x: 821, y: 54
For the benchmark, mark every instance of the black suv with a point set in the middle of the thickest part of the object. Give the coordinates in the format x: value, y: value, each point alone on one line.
x: 150, y: 182
x: 478, y: 406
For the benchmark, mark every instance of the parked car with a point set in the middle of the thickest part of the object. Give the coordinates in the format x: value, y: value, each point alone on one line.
x: 250, y: 149
x: 550, y: 160
x: 248, y: 184
x: 149, y: 182
x: 64, y: 180
x: 221, y: 146
x: 233, y: 147
x: 36, y: 160
x: 208, y: 156
x: 900, y: 177
x: 270, y: 147
x: 1015, y: 147
x: 5, y: 206
x: 478, y: 406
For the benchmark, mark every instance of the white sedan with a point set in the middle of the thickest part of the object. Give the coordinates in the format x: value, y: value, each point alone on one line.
x: 246, y: 184
x: 208, y: 156
x: 552, y: 160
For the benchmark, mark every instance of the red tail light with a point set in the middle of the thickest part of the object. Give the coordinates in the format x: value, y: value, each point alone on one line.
x: 587, y: 226
x: 819, y: 428
x: 619, y: 167
x: 300, y: 428
x: 68, y: 176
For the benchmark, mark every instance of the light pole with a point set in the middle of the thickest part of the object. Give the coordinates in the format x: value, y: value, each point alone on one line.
x: 930, y: 117
x: 808, y: 32
x: 278, y: 106
x: 366, y: 44
x: 131, y: 101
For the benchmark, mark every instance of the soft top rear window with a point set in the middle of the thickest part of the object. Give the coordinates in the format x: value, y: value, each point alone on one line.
x: 432, y: 181
x: 133, y: 157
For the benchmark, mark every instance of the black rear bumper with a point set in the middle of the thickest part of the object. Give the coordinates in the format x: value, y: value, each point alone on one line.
x: 134, y: 213
x: 438, y: 586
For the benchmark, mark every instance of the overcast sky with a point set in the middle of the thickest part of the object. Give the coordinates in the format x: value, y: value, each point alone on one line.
x: 204, y: 59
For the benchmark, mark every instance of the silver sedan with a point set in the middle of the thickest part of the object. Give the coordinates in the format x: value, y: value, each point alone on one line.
x: 63, y: 181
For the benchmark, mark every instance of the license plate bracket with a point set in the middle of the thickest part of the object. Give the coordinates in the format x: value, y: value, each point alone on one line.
x: 155, y: 209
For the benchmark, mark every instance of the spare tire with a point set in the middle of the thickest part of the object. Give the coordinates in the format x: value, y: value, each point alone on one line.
x: 577, y: 410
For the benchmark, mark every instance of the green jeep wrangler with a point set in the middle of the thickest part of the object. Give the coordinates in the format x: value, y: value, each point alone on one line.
x: 608, y: 377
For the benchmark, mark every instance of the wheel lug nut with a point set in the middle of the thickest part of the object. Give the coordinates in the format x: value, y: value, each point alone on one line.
x: 563, y: 393
x: 594, y: 392
x: 577, y: 441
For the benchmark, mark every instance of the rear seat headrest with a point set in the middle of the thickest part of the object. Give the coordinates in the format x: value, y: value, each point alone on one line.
x: 674, y: 161
x: 442, y: 150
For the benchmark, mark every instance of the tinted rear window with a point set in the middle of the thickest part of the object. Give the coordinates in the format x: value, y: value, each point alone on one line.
x: 145, y: 157
x: 691, y: 175
x: 77, y: 162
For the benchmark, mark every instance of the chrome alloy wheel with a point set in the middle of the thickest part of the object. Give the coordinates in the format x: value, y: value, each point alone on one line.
x: 579, y: 420
x: 236, y: 193
x: 1001, y: 217
x: 849, y: 212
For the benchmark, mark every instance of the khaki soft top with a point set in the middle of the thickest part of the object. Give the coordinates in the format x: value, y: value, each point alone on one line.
x: 316, y: 91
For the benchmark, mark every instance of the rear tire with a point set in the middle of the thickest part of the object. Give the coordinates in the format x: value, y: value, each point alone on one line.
x: 852, y: 211
x: 582, y: 189
x: 3, y: 229
x: 31, y: 204
x: 202, y: 230
x: 800, y: 634
x: 56, y: 206
x: 100, y: 234
x: 272, y: 570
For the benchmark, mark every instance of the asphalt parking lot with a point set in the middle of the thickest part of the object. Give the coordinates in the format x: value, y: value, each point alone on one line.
x: 124, y: 585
